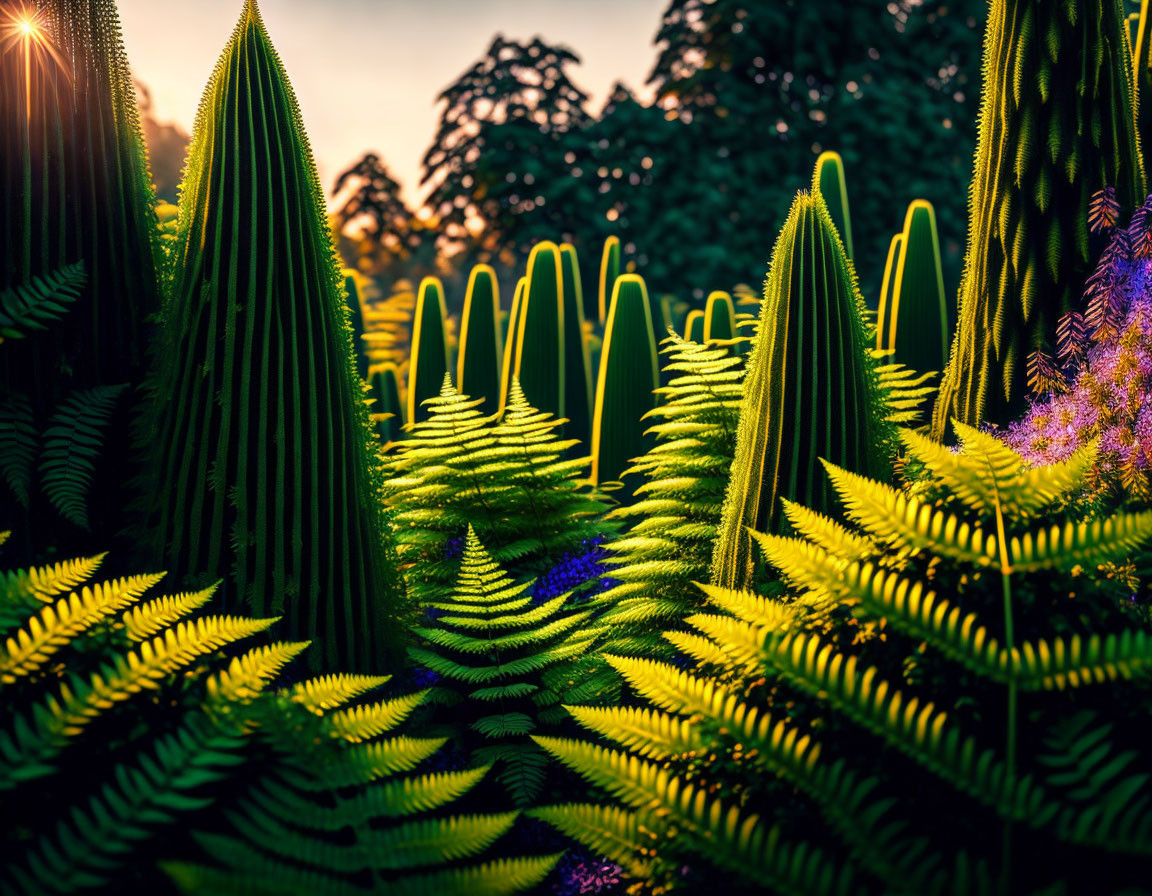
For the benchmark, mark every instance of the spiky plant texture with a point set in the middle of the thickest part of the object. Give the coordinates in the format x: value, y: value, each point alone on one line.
x: 913, y: 320
x: 429, y: 359
x: 388, y: 327
x: 478, y: 367
x: 629, y: 375
x: 508, y: 476
x: 75, y: 187
x: 917, y: 714
x: 609, y: 271
x: 811, y: 389
x: 1056, y: 125
x: 496, y: 651
x: 828, y: 179
x: 540, y: 340
x: 130, y: 736
x: 678, y: 507
x: 577, y: 364
x: 262, y: 463
x: 354, y: 283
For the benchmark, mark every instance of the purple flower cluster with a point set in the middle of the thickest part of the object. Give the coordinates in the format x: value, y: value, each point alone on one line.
x: 573, y: 570
x: 581, y: 873
x: 1104, y: 387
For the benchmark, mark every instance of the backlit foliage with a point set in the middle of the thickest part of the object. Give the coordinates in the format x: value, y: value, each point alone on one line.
x: 829, y: 740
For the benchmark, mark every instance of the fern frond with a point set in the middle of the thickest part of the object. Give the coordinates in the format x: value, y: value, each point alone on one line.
x: 322, y: 694
x: 622, y: 835
x: 361, y: 723
x: 650, y: 733
x: 145, y: 620
x: 247, y: 674
x: 1080, y: 544
x: 31, y: 306
x: 71, y: 445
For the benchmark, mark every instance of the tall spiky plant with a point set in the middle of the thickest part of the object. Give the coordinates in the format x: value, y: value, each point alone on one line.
x: 812, y: 390
x: 577, y: 365
x: 625, y: 388
x: 913, y: 317
x: 262, y: 464
x: 75, y: 196
x: 478, y: 367
x: 540, y: 340
x: 609, y: 271
x: 1056, y: 126
x: 828, y: 179
x: 1140, y: 33
x: 428, y: 362
x: 75, y: 186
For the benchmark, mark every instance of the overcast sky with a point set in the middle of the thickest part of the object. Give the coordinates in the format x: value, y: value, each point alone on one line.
x: 367, y: 72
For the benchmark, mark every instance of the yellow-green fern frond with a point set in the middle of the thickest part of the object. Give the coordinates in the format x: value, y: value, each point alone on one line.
x: 365, y: 722
x: 622, y: 835
x: 329, y: 691
x: 650, y: 733
x: 145, y: 620
x: 1080, y: 544
x: 57, y: 624
x: 248, y: 674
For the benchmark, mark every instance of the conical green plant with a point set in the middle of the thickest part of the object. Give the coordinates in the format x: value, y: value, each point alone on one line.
x: 429, y: 359
x: 890, y: 265
x: 828, y: 179
x: 577, y: 365
x: 1056, y: 126
x: 388, y: 411
x: 75, y: 195
x: 354, y: 298
x: 719, y: 317
x: 809, y: 391
x: 540, y: 364
x: 625, y: 388
x: 609, y: 271
x: 74, y: 186
x: 478, y: 368
x: 694, y: 326
x: 511, y: 335
x: 914, y: 313
x: 263, y: 463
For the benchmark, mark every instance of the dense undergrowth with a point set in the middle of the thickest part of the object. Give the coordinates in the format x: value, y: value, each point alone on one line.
x: 686, y: 598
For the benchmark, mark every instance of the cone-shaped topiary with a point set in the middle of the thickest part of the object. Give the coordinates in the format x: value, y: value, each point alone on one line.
x: 694, y: 326
x: 262, y: 459
x: 388, y: 410
x: 511, y: 335
x: 719, y: 317
x: 828, y: 179
x: 810, y: 391
x: 625, y: 388
x: 429, y: 359
x: 539, y: 363
x: 500, y: 655
x: 1056, y: 126
x: 913, y: 318
x: 478, y: 368
x: 74, y: 186
x: 354, y: 297
x: 577, y: 365
x: 609, y: 271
